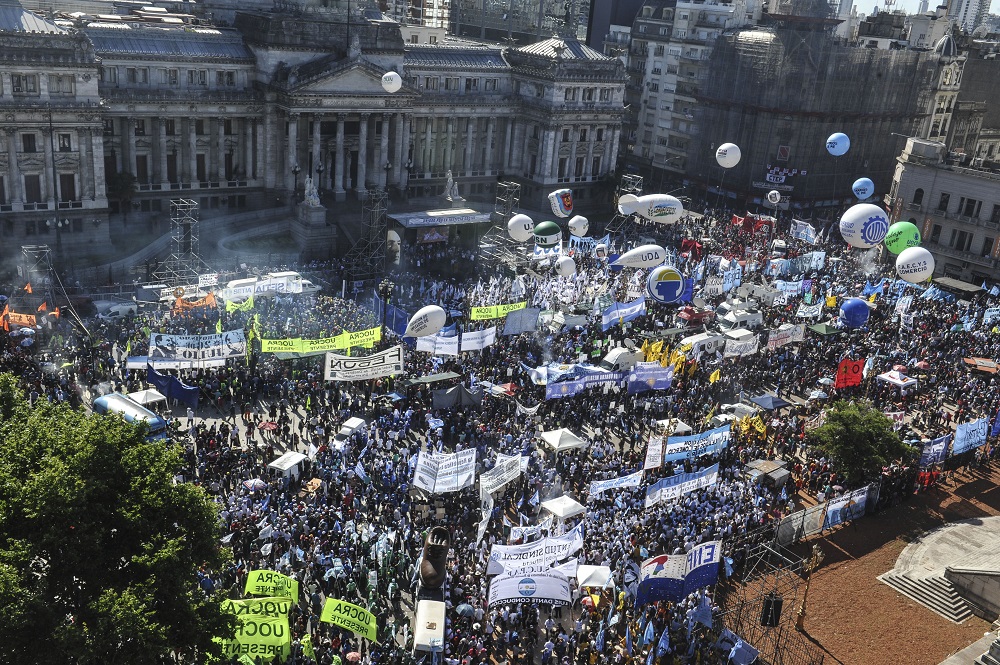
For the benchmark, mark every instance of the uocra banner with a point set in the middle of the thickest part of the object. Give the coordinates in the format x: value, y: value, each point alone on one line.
x: 361, y: 368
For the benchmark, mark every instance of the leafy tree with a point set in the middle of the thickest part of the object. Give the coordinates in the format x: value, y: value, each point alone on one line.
x: 99, y: 550
x: 860, y: 440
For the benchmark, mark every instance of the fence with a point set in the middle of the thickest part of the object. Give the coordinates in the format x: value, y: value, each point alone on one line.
x: 826, y: 515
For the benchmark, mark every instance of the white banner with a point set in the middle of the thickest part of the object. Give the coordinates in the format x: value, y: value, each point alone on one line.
x: 779, y: 337
x: 476, y: 341
x: 438, y: 345
x: 550, y: 588
x: 747, y: 348
x: 486, y: 505
x: 654, y: 453
x: 809, y: 311
x: 598, y: 487
x: 681, y: 484
x: 525, y: 532
x: 362, y: 368
x: 211, y: 279
x: 903, y: 306
x: 193, y: 351
x: 445, y: 472
x: 534, y: 557
x: 507, y: 470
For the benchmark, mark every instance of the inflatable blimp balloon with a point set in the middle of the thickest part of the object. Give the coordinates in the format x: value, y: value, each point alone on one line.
x: 565, y: 266
x: 728, y: 155
x: 427, y: 321
x: 661, y: 208
x: 645, y: 256
x: 838, y: 144
x: 561, y: 202
x: 854, y: 312
x: 915, y: 264
x: 863, y: 188
x: 392, y: 82
x: 579, y: 225
x: 520, y: 228
x: 864, y: 225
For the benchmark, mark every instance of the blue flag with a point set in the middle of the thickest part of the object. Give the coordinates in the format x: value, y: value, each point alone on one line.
x: 628, y: 639
x: 996, y: 424
x: 649, y: 635
x: 664, y: 646
x: 599, y: 642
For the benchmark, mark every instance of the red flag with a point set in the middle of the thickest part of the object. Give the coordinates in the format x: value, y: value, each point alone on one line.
x: 849, y: 373
x: 27, y: 288
x: 43, y: 307
x: 738, y: 221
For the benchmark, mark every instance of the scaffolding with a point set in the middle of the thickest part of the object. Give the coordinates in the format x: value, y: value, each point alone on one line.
x: 623, y: 224
x: 497, y: 250
x: 184, y: 264
x: 366, y: 259
x: 36, y: 269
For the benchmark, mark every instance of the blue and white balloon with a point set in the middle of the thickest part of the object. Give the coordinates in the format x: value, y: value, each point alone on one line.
x: 864, y: 225
x: 774, y: 197
x: 838, y: 144
x: 392, y: 82
x: 427, y: 321
x: 863, y: 188
x: 579, y: 225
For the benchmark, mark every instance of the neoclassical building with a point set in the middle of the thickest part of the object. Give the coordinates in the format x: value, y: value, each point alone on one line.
x: 237, y: 118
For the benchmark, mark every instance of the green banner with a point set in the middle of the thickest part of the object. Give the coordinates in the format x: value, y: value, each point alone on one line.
x: 245, y: 306
x: 271, y: 607
x: 345, y: 340
x: 270, y: 583
x: 350, y: 617
x: 495, y: 311
x: 258, y: 635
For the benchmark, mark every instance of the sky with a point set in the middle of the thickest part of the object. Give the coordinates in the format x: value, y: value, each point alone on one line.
x: 910, y: 6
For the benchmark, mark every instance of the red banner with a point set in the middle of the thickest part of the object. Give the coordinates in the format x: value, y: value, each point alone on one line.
x: 738, y: 221
x: 849, y: 373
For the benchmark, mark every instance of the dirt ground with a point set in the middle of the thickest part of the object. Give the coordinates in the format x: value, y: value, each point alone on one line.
x: 858, y: 620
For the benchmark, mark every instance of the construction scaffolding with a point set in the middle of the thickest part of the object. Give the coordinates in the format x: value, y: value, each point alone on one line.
x: 497, y: 250
x: 623, y: 224
x: 184, y: 264
x: 366, y: 259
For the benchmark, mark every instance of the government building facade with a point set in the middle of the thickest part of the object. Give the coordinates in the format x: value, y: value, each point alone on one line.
x: 236, y: 118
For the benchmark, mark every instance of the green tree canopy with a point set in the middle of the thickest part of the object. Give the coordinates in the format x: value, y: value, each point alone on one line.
x: 860, y: 440
x: 99, y: 549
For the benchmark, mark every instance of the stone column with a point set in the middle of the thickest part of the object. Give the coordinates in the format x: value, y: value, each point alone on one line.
x: 14, y: 170
x: 428, y: 147
x: 397, y: 154
x: 128, y: 146
x: 48, y: 173
x: 449, y: 156
x: 470, y: 140
x: 162, y: 149
x: 86, y: 164
x: 338, y: 164
x: 248, y: 148
x: 293, y: 149
x: 615, y: 138
x: 383, y: 151
x: 545, y: 154
x: 220, y: 149
x: 404, y: 144
x: 360, y: 185
x: 571, y: 162
x: 97, y: 162
x: 507, y: 144
x: 315, y: 148
x: 588, y: 163
x: 259, y: 165
x: 193, y: 152
x: 491, y: 126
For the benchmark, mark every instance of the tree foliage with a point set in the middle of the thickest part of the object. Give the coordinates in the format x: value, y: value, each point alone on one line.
x: 99, y: 550
x: 860, y: 440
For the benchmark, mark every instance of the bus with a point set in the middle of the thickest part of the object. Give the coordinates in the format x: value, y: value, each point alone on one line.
x: 132, y: 412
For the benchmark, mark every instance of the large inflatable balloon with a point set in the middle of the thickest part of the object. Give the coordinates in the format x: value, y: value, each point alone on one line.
x: 561, y: 202
x: 565, y: 266
x: 547, y: 234
x: 601, y: 251
x: 665, y: 284
x: 838, y: 144
x: 520, y: 228
x: 427, y: 321
x: 915, y: 264
x: 854, y: 312
x: 645, y: 256
x: 902, y: 235
x: 774, y: 196
x: 863, y: 188
x: 661, y: 208
x: 579, y: 225
x: 728, y: 155
x: 392, y: 82
x: 864, y: 225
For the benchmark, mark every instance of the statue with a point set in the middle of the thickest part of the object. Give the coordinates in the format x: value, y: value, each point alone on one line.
x: 311, y: 197
x: 451, y: 190
x: 432, y: 566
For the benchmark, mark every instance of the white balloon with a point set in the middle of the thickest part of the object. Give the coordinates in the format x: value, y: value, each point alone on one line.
x: 774, y: 196
x: 645, y: 256
x: 838, y: 144
x: 864, y: 225
x: 915, y: 264
x: 427, y: 321
x: 392, y: 82
x: 579, y: 225
x: 600, y: 250
x: 728, y: 155
x: 661, y: 208
x: 565, y: 266
x: 521, y: 228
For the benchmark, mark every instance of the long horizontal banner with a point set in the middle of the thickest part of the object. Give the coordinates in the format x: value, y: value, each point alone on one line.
x: 362, y: 368
x: 681, y: 484
x: 650, y: 376
x: 550, y: 588
x: 507, y: 470
x: 696, y: 445
x: 598, y: 487
x: 191, y: 351
x: 344, y: 340
x: 495, y: 311
x: 535, y: 557
x: 673, y: 576
x: 570, y: 388
x: 781, y: 336
x: 445, y: 472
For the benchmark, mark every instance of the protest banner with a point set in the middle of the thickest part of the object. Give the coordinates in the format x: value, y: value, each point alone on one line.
x: 680, y: 484
x: 478, y: 340
x: 350, y: 617
x: 438, y: 473
x: 791, y: 334
x: 696, y: 445
x: 271, y: 583
x: 970, y: 435
x: 495, y: 311
x: 507, y: 470
x: 849, y: 373
x: 598, y: 487
x: 845, y: 508
x: 362, y: 368
x: 259, y: 635
x: 194, y: 351
x: 935, y: 451
x: 439, y: 345
x: 535, y: 557
x: 654, y: 453
x: 743, y: 348
x: 549, y: 587
x: 671, y: 577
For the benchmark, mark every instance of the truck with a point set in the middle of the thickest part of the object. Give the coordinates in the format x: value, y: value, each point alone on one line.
x: 287, y: 282
x: 738, y: 315
x: 620, y: 359
x: 706, y: 342
x: 691, y: 315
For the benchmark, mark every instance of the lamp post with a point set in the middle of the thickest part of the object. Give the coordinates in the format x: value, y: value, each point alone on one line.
x: 388, y: 167
x: 385, y: 288
x: 815, y: 559
x: 58, y: 225
x: 319, y: 178
x: 295, y: 171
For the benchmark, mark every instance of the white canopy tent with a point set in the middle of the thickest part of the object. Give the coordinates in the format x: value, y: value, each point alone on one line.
x: 898, y: 379
x: 562, y: 439
x: 594, y: 576
x: 564, y: 507
x: 680, y: 429
x: 147, y: 397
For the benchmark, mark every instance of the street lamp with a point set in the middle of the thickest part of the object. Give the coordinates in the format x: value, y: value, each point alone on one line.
x: 319, y: 178
x: 295, y: 171
x: 388, y: 167
x: 58, y: 225
x: 385, y: 288
x: 815, y: 559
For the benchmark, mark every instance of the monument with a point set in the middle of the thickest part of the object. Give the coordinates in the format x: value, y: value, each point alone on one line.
x: 315, y: 237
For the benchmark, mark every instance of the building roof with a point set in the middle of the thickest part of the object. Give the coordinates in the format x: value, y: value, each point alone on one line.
x: 566, y: 49
x: 15, y: 18
x: 465, y: 56
x: 138, y: 40
x: 946, y: 47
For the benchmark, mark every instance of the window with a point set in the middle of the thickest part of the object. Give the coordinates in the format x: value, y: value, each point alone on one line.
x: 61, y: 84
x: 987, y: 246
x: 197, y: 77
x: 451, y: 83
x: 491, y: 85
x: 969, y: 207
x: 199, y: 127
x: 227, y: 127
x: 661, y: 140
x: 28, y: 143
x: 225, y: 78
x: 654, y: 87
x: 565, y: 136
x: 918, y: 196
x: 588, y: 94
x: 109, y: 74
x: 605, y: 94
x: 140, y: 127
x: 578, y: 170
x: 539, y: 90
x: 571, y: 94
x: 32, y: 188
x: 658, y: 51
x: 109, y: 127
x: 583, y: 134
x: 562, y: 167
x: 936, y: 233
x: 944, y: 201
x: 137, y: 75
x: 431, y: 82
x: 595, y: 168
x: 995, y: 217
x: 29, y: 226
x: 471, y: 85
x: 534, y: 131
x: 414, y: 39
x: 24, y: 84
x: 600, y: 133
x: 963, y: 242
x: 65, y: 143
x: 168, y: 77
x: 433, y: 39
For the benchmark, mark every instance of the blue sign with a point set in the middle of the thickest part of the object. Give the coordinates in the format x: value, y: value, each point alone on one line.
x: 671, y: 577
x: 621, y: 312
x: 665, y: 284
x: 935, y: 451
x: 649, y: 376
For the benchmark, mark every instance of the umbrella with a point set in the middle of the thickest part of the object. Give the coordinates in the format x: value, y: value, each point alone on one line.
x: 268, y: 426
x: 27, y: 331
x: 465, y: 610
x: 900, y: 368
x: 354, y: 657
x: 27, y: 342
x: 923, y: 364
x: 818, y: 394
x: 587, y: 601
x: 826, y: 381
x: 254, y: 484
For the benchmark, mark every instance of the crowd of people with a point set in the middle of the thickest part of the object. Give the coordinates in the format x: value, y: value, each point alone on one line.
x: 351, y: 525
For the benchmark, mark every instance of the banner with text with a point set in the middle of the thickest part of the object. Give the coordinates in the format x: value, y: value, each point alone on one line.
x: 438, y: 473
x: 361, y: 368
x: 680, y: 484
x: 495, y: 311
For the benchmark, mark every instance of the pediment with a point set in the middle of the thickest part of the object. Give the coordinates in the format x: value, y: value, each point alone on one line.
x: 352, y: 78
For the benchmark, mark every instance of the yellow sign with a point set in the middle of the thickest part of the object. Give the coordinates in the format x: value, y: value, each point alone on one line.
x: 321, y: 345
x: 292, y: 345
x: 244, y: 306
x: 270, y: 607
x: 258, y: 635
x: 345, y: 340
x: 270, y: 583
x: 366, y: 338
x: 495, y: 311
x: 350, y: 617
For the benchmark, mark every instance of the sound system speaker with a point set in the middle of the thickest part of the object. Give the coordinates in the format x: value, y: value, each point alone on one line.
x: 770, y: 614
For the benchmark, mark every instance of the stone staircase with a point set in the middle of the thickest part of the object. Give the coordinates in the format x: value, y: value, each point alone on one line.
x: 934, y: 592
x: 991, y: 657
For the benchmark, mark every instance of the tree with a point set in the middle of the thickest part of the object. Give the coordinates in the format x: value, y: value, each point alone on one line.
x: 99, y: 550
x: 860, y: 440
x: 121, y: 188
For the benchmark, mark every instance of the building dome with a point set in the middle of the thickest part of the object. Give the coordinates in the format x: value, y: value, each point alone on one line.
x: 946, y: 47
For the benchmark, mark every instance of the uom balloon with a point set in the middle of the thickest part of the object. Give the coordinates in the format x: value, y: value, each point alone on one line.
x: 915, y: 264
x: 863, y: 188
x: 864, y: 225
x: 902, y: 235
x: 427, y: 321
x: 645, y: 256
x: 579, y: 225
x: 838, y: 144
x: 561, y: 202
x: 565, y: 266
x: 728, y: 155
x: 392, y: 82
x: 661, y: 208
x: 774, y: 196
x: 520, y: 228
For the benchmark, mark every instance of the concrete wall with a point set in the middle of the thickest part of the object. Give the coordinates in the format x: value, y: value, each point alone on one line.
x: 980, y: 587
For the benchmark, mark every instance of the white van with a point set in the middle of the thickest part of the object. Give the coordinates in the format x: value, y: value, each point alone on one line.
x: 706, y: 342
x: 738, y: 315
x: 117, y: 311
x: 350, y: 426
x: 620, y: 360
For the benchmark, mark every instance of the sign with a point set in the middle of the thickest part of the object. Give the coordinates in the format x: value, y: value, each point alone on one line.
x: 696, y: 445
x: 803, y: 231
x: 622, y: 312
x: 346, y: 368
x: 671, y: 577
x: 598, y: 487
x: 680, y: 484
x: 970, y: 435
x: 193, y: 351
x: 257, y: 634
x: 438, y: 345
x: 506, y: 471
x: 550, y: 588
x: 536, y: 557
x: 23, y: 320
x: 350, y: 617
x: 846, y: 508
x: 654, y: 453
x: 210, y: 279
x: 445, y: 472
x: 808, y: 311
x: 935, y: 451
x: 495, y: 311
x: 532, y: 530
x: 849, y: 373
x: 649, y: 376
x: 574, y: 386
x: 271, y: 583
x: 782, y: 336
x: 478, y: 340
x: 745, y: 348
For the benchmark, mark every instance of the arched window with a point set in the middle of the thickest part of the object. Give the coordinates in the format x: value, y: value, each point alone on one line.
x: 918, y: 196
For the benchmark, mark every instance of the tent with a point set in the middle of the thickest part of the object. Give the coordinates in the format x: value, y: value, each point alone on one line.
x: 562, y: 439
x: 897, y: 379
x: 288, y: 464
x: 769, y: 402
x: 457, y: 396
x: 594, y: 576
x: 681, y: 428
x: 564, y: 507
x: 147, y: 397
x: 433, y: 378
x: 825, y: 329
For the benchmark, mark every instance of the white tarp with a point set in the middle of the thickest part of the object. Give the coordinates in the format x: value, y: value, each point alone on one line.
x: 445, y: 472
x: 562, y: 439
x: 897, y: 379
x: 149, y: 396
x: 788, y: 333
x: 478, y: 340
x: 550, y: 588
x: 507, y: 470
x: 563, y: 507
x: 534, y: 557
x: 362, y: 368
x: 438, y: 345
x: 594, y: 576
x: 194, y: 351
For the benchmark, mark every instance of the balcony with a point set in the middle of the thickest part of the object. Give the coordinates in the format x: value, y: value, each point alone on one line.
x: 962, y: 255
x: 70, y: 205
